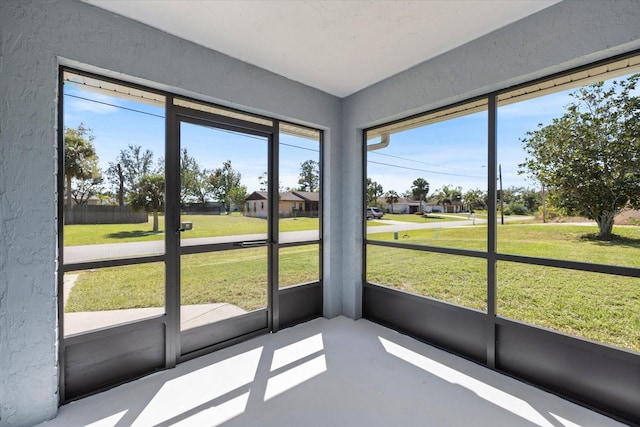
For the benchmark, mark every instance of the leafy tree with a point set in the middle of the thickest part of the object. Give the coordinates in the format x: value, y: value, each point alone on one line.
x: 116, y: 175
x: 80, y: 158
x: 520, y: 198
x: 149, y: 196
x: 516, y: 208
x: 83, y: 189
x: 509, y: 195
x: 589, y: 157
x: 419, y: 190
x: 531, y: 199
x: 104, y: 197
x: 447, y: 194
x: 222, y: 181
x: 374, y: 190
x: 475, y: 199
x: 263, y: 180
x: 238, y: 196
x: 309, y: 175
x: 131, y: 164
x: 391, y: 197
x: 194, y: 184
x: 408, y: 194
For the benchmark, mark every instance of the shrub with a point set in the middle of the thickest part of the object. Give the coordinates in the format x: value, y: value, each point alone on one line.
x: 551, y: 213
x: 517, y: 208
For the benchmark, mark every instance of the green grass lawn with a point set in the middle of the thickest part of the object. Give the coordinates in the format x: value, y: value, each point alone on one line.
x: 596, y: 306
x: 569, y: 242
x: 238, y: 277
x: 469, y: 237
x: 482, y: 214
x: 601, y: 307
x: 430, y: 274
x: 203, y: 226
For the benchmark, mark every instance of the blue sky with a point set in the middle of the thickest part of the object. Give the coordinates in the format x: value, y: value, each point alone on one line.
x: 452, y: 152
x: 118, y: 122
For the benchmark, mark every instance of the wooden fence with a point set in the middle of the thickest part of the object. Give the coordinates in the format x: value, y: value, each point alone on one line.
x: 90, y: 214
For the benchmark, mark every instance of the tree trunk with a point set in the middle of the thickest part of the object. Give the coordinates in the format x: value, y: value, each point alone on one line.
x: 121, y: 186
x: 155, y: 220
x: 605, y: 224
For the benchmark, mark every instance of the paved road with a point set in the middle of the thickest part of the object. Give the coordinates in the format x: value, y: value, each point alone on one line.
x: 390, y: 225
x: 85, y: 253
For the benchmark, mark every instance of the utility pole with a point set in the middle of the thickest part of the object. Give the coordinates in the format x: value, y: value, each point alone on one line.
x: 501, y: 194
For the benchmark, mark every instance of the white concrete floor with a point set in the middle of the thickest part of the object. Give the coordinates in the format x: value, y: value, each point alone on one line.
x: 336, y: 372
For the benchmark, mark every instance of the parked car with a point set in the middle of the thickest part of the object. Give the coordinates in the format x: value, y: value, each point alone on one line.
x: 374, y: 213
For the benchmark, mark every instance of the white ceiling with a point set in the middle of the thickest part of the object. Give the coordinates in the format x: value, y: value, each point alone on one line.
x: 338, y: 47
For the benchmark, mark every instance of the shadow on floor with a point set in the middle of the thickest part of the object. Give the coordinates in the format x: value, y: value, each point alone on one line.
x: 336, y: 372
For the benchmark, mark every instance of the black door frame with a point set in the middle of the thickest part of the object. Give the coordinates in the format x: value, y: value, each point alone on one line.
x: 204, y: 339
x: 96, y: 360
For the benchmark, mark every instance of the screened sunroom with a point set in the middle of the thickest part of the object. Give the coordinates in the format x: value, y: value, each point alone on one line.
x: 185, y: 191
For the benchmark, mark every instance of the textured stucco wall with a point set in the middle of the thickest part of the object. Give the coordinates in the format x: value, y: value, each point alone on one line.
x: 566, y: 35
x: 33, y: 36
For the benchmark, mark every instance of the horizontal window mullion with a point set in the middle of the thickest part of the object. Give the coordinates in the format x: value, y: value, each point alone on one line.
x: 300, y: 243
x: 572, y: 265
x: 547, y: 262
x: 218, y: 121
x: 426, y: 248
x: 120, y: 262
x: 217, y: 247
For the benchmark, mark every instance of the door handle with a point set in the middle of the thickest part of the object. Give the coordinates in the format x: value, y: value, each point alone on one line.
x: 251, y: 244
x: 184, y: 226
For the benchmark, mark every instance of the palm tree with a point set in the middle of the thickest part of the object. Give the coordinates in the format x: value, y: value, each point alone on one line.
x: 420, y: 189
x: 391, y: 197
x: 80, y: 159
x: 448, y: 194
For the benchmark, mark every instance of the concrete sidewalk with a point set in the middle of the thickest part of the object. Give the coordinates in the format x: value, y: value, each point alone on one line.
x: 190, y: 315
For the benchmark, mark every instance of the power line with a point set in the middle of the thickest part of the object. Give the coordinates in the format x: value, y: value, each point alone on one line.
x: 402, y: 158
x: 113, y: 105
x: 413, y: 160
x: 302, y: 148
x: 162, y: 117
x: 425, y: 170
